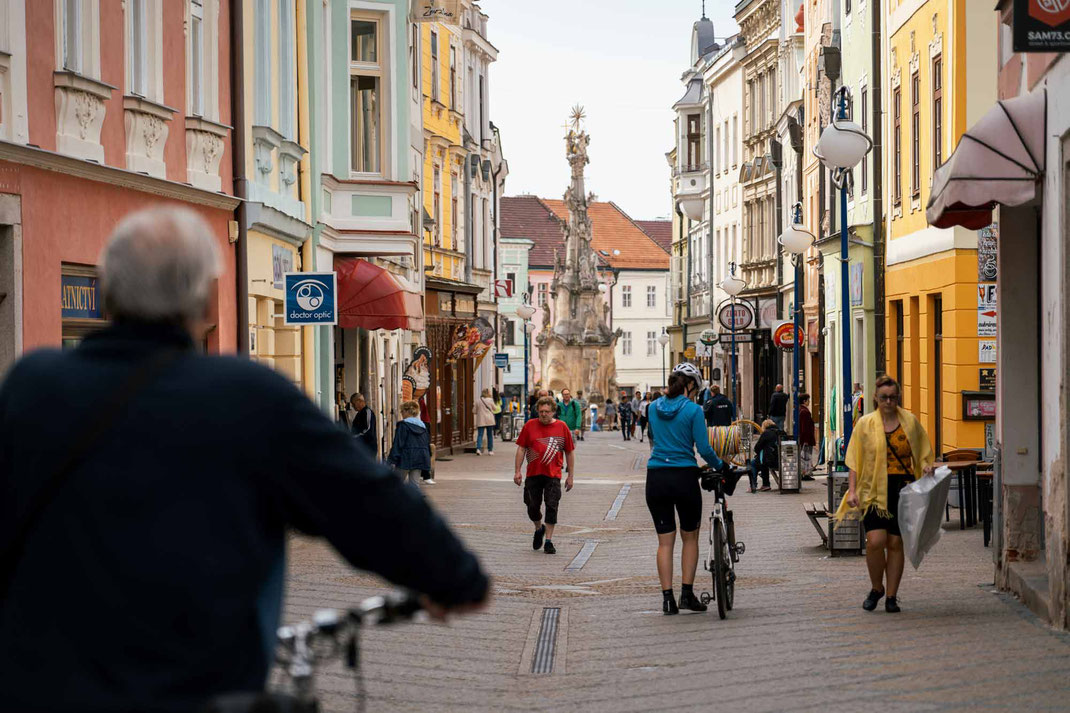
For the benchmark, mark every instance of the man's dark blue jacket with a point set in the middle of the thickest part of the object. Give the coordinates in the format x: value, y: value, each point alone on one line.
x: 154, y: 578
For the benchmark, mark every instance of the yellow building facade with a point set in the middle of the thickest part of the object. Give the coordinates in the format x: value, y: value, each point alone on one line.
x: 276, y: 216
x: 444, y: 155
x: 939, y: 79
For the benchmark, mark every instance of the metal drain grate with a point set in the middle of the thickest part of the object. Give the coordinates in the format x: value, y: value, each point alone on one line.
x: 546, y: 645
x: 581, y: 559
x: 618, y: 503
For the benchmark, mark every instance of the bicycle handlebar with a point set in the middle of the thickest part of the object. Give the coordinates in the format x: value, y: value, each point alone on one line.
x: 332, y: 623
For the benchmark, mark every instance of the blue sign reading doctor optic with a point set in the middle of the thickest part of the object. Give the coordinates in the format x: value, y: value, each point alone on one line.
x: 311, y: 298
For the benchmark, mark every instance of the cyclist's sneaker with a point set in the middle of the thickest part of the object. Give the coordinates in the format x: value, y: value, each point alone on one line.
x: 689, y: 601
x: 891, y: 605
x: 536, y: 541
x: 430, y: 481
x: 549, y: 548
x: 871, y: 600
x: 668, y: 603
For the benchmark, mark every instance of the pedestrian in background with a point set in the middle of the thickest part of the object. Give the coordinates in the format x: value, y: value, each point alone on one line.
x: 778, y: 406
x: 546, y: 444
x: 888, y: 450
x: 364, y: 424
x: 766, y: 455
x: 718, y: 410
x: 654, y: 396
x: 644, y: 404
x: 174, y: 521
x: 611, y: 415
x: 498, y: 404
x: 624, y: 411
x: 807, y: 438
x: 568, y: 410
x: 484, y: 412
x: 425, y: 417
x: 585, y: 413
x: 410, y: 453
x: 635, y: 401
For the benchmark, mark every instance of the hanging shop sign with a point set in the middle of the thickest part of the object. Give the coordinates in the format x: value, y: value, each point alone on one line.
x: 1041, y: 25
x: 311, y: 298
x: 740, y: 338
x: 689, y: 353
x: 282, y: 261
x: 782, y: 335
x: 704, y: 350
x: 987, y: 247
x: 417, y: 378
x: 501, y: 359
x: 446, y: 11
x: 813, y: 335
x: 472, y: 340
x: 856, y: 284
x: 503, y: 288
x: 708, y: 337
x: 767, y: 313
x: 744, y: 316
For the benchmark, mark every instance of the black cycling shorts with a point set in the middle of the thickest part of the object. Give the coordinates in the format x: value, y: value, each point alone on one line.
x: 873, y: 521
x: 671, y: 492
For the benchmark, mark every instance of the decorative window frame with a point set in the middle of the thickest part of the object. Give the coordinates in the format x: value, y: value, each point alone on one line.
x: 209, y: 109
x: 88, y: 36
x: 385, y: 68
x: 152, y: 27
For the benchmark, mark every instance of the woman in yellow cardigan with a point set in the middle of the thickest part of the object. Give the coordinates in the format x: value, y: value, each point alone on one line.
x: 888, y: 450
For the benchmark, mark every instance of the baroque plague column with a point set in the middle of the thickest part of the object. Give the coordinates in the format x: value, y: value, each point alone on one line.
x: 577, y: 348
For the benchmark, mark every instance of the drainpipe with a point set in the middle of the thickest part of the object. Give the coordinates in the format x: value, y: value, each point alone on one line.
x: 879, y: 326
x: 308, y: 256
x: 495, y: 199
x: 237, y: 118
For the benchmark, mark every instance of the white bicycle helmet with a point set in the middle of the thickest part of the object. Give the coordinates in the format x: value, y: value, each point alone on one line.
x: 691, y: 371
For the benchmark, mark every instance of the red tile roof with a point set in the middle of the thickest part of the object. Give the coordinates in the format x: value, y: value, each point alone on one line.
x: 539, y: 220
x: 660, y: 230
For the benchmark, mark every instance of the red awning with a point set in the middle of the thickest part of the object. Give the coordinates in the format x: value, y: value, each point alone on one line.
x: 999, y: 159
x: 372, y: 298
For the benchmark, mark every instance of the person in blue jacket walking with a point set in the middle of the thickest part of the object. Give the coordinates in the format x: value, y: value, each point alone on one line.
x: 410, y: 453
x: 672, y: 481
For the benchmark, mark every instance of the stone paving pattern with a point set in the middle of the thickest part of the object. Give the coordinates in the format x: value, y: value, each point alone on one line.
x: 797, y: 640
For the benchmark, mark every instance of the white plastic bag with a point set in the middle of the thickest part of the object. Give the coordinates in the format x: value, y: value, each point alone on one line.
x: 921, y: 508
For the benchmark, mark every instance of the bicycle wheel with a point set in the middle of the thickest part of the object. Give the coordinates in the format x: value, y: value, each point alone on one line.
x: 745, y: 433
x: 729, y: 574
x: 720, y: 571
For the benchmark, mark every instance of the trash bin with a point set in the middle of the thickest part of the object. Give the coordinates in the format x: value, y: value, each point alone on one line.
x: 849, y: 537
x: 790, y: 479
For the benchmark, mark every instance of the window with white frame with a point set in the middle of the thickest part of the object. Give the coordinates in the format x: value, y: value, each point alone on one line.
x: 414, y: 57
x: 287, y: 73
x: 651, y: 296
x: 263, y: 63
x: 196, y: 58
x: 543, y: 293
x: 626, y: 296
x: 138, y: 63
x: 651, y: 343
x: 366, y: 72
x: 453, y: 78
x: 626, y: 343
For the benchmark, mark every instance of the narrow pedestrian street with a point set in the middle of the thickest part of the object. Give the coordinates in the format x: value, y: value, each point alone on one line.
x: 797, y: 639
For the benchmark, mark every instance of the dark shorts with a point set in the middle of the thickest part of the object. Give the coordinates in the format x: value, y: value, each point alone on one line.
x: 540, y: 488
x: 671, y: 492
x: 873, y: 521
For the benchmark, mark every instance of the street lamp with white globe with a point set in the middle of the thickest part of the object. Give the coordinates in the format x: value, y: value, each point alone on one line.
x: 526, y: 312
x: 842, y: 145
x: 796, y: 241
x: 733, y: 286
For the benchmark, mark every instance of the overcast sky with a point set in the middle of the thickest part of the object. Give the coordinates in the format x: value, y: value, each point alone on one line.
x: 620, y: 59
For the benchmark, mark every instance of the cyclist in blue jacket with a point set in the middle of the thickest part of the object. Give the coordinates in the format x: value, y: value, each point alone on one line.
x: 672, y: 481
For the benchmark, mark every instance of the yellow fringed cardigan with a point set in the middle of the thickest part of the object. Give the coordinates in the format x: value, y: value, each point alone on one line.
x: 867, y: 456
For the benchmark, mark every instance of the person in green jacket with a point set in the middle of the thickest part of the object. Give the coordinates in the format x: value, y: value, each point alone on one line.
x: 569, y: 411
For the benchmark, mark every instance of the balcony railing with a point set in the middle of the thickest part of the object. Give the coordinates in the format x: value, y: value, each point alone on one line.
x: 691, y: 168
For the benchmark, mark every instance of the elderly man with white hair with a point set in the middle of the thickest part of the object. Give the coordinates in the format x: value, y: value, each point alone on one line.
x: 147, y: 493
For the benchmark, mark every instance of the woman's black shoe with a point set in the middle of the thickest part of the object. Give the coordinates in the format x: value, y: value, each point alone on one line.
x: 871, y: 600
x: 689, y: 601
x: 891, y: 605
x: 668, y: 605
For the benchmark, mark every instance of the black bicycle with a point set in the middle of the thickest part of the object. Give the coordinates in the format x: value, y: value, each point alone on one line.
x: 724, y: 550
x: 305, y: 646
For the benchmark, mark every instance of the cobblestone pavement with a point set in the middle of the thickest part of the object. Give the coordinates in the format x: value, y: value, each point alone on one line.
x: 797, y: 639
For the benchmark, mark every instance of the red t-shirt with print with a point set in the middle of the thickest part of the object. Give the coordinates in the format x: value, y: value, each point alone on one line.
x: 546, y: 446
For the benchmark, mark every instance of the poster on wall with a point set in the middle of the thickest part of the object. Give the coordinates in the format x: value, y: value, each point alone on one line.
x: 282, y: 261
x: 987, y: 244
x: 445, y: 11
x: 986, y: 351
x: 856, y: 284
x: 417, y: 378
x: 986, y: 310
x: 1041, y: 25
x: 767, y: 315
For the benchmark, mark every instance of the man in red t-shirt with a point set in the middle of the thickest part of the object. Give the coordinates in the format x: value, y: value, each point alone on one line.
x: 545, y: 443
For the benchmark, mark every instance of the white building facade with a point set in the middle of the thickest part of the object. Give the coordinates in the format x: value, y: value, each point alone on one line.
x: 641, y: 310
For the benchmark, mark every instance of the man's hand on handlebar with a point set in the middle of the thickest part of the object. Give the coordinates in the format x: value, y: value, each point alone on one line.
x: 441, y: 613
